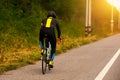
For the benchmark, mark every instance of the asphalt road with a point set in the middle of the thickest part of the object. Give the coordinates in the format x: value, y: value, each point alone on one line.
x: 96, y: 61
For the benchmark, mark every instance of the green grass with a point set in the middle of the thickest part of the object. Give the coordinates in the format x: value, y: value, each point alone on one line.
x: 13, y: 60
x: 16, y: 59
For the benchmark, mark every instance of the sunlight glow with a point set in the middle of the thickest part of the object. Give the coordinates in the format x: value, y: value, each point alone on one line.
x: 115, y: 3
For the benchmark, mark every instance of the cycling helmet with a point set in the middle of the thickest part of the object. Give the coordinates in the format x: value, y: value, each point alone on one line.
x: 51, y: 14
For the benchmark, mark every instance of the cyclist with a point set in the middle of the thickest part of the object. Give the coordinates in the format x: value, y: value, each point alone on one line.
x: 47, y: 27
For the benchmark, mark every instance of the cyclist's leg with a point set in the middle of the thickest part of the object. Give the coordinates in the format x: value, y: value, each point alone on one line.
x: 53, y: 48
x: 52, y: 40
x: 41, y: 42
x: 53, y: 51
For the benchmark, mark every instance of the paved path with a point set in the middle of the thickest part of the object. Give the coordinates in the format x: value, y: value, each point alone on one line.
x: 82, y: 63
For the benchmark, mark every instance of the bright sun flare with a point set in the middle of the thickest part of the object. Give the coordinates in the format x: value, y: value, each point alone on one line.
x: 115, y: 3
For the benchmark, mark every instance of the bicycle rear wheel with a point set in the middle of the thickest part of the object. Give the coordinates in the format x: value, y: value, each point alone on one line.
x: 44, y: 57
x: 44, y: 64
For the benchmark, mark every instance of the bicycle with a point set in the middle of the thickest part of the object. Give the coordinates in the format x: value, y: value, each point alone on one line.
x: 46, y: 55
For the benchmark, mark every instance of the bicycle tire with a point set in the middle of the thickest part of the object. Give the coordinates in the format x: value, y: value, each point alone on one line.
x: 44, y: 64
x: 45, y: 60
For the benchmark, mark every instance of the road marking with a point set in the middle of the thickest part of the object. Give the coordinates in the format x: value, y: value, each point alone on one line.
x: 107, y: 67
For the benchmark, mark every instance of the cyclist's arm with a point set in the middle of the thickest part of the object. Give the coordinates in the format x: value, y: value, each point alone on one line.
x: 58, y: 29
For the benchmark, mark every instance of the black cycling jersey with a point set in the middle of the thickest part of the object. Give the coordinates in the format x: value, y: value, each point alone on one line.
x: 48, y: 25
x: 47, y: 28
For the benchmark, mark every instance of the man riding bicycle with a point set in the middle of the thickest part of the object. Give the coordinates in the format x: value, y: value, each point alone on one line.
x: 47, y: 28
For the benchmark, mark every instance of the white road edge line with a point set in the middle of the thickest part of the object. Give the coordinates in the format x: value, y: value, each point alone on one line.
x: 101, y: 75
